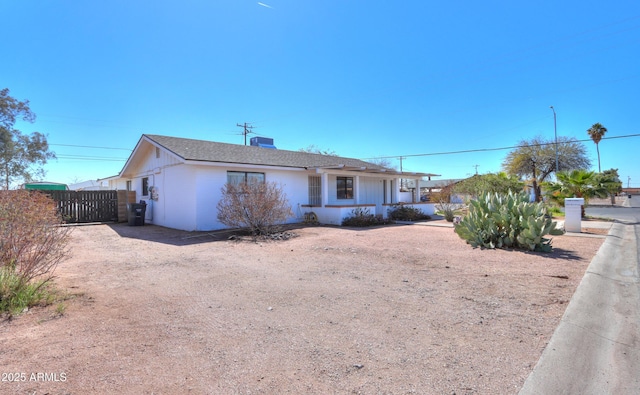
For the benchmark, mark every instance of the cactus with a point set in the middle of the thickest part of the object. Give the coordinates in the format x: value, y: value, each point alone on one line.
x: 507, y: 221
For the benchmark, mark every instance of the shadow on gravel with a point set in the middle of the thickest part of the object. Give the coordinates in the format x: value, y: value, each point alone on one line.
x: 159, y: 234
x: 559, y: 253
x: 175, y: 237
x: 556, y: 253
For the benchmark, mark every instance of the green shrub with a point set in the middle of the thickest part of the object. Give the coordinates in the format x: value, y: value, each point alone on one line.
x: 362, y: 217
x: 400, y: 212
x: 507, y: 221
x: 15, y: 295
x: 555, y: 211
x: 448, y: 210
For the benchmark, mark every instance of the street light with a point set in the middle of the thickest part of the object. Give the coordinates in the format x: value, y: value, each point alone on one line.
x: 555, y: 133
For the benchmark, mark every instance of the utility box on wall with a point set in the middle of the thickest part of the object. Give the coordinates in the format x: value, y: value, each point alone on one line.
x: 573, y: 214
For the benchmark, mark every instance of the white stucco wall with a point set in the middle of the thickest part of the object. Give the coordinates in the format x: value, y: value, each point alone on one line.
x: 366, y: 190
x: 427, y: 208
x: 335, y: 215
x: 296, y: 186
x: 176, y: 198
x: 208, y: 182
x: 188, y: 194
x: 405, y: 197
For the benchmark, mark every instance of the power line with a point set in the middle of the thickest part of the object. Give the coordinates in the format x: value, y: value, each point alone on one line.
x: 401, y: 157
x: 80, y: 157
x: 493, y: 149
x: 90, y: 146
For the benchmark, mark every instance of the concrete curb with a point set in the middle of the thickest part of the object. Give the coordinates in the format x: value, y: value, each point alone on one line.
x: 596, y: 347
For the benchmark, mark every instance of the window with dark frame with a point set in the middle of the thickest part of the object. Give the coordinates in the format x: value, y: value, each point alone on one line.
x: 239, y: 177
x: 344, y: 187
x: 145, y: 186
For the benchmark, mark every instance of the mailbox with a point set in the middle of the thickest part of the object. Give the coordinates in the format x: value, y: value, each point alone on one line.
x: 573, y: 214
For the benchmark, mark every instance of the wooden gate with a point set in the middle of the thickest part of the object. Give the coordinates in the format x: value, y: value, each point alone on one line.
x: 86, y: 206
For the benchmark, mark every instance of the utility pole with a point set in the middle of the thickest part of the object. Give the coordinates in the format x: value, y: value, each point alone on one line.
x: 628, y: 181
x: 246, y: 131
x: 555, y: 133
x: 401, y: 179
x: 476, y: 166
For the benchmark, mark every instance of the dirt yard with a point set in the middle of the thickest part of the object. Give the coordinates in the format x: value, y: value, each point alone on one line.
x: 390, y: 310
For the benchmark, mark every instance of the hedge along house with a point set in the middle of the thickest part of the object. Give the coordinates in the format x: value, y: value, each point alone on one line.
x: 181, y: 180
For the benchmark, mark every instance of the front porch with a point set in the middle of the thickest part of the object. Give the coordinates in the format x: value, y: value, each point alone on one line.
x: 334, y: 192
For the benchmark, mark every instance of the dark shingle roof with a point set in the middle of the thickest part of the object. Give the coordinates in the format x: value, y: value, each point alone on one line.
x: 210, y: 151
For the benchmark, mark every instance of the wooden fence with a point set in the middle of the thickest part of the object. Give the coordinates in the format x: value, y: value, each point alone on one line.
x: 92, y: 206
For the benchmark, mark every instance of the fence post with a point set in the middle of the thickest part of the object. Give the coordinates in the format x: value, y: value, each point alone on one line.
x: 124, y: 199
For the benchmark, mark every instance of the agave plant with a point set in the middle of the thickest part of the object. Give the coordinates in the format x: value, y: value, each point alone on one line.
x: 507, y: 221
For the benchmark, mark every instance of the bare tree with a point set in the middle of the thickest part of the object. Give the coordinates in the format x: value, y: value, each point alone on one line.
x: 314, y: 149
x: 535, y: 159
x: 259, y: 207
x: 383, y: 162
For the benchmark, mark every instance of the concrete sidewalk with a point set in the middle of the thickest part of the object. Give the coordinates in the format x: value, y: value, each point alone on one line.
x: 596, y: 347
x: 606, y: 225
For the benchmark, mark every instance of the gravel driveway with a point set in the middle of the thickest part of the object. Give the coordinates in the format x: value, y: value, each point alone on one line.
x: 396, y: 309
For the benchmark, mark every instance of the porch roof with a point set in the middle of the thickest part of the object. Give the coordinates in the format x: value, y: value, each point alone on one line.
x: 375, y: 170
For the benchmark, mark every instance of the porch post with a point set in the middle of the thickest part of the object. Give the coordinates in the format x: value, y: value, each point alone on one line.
x: 325, y: 189
x: 356, y: 190
x: 395, y: 191
x: 415, y: 196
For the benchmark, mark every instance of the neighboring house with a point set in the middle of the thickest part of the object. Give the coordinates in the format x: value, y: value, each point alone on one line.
x: 90, y: 185
x: 529, y: 190
x: 630, y: 191
x: 181, y: 180
x: 427, y: 187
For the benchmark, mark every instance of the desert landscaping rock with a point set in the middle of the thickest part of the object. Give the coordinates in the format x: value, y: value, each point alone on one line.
x: 395, y: 309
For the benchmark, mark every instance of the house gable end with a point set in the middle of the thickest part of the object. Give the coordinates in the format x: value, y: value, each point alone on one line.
x: 147, y: 156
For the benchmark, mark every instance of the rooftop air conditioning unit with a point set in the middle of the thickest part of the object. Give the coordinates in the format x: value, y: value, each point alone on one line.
x: 263, y: 142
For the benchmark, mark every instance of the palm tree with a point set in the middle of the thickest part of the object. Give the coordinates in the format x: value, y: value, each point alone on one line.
x: 596, y: 132
x: 610, y: 181
x: 576, y: 183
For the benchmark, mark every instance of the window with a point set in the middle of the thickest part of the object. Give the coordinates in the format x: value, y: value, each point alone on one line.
x: 145, y: 186
x: 344, y: 187
x: 239, y: 177
x: 315, y: 191
x: 128, y: 185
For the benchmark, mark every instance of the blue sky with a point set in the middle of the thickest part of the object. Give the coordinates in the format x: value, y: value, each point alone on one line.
x: 362, y: 78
